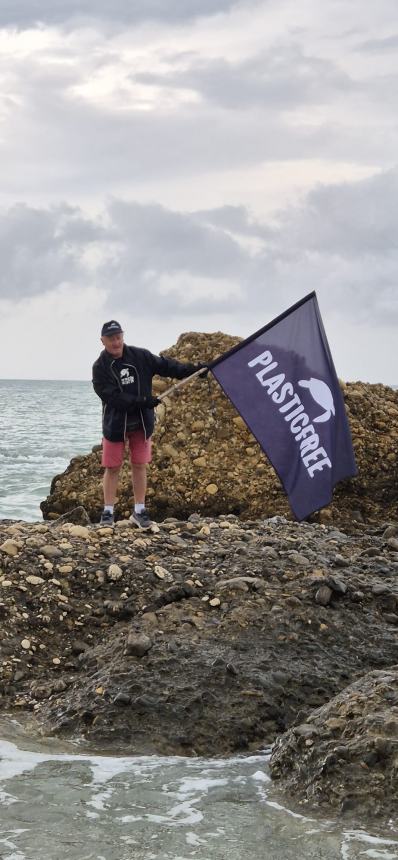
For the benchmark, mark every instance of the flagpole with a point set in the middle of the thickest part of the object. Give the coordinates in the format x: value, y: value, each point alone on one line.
x: 179, y: 384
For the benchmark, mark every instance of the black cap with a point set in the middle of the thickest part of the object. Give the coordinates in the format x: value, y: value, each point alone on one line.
x: 110, y: 328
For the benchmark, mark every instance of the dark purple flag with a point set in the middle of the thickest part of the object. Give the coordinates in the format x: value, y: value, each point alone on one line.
x: 283, y: 383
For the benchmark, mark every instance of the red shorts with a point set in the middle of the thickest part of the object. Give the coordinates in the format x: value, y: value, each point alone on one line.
x: 140, y: 450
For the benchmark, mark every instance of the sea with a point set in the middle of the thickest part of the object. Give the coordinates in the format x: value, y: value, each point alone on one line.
x: 43, y: 424
x: 60, y: 800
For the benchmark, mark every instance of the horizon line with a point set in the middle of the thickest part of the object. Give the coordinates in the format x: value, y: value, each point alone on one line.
x: 88, y: 380
x: 41, y: 379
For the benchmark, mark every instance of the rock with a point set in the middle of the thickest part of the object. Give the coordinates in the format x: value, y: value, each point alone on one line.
x: 149, y: 619
x: 391, y: 618
x: 340, y: 561
x: 114, y: 572
x: 122, y: 699
x: 259, y: 616
x: 241, y: 580
x: 35, y: 580
x: 10, y: 547
x: 377, y: 590
x: 337, y: 585
x: 162, y: 573
x: 212, y: 489
x: 79, y: 531
x: 351, y: 763
x: 390, y: 531
x: 299, y: 559
x: 25, y: 644
x: 65, y: 569
x: 78, y: 646
x: 138, y: 644
x: 173, y: 595
x: 305, y: 731
x: 205, y: 530
x: 51, y: 551
x: 119, y: 609
x: 59, y: 686
x: 324, y: 595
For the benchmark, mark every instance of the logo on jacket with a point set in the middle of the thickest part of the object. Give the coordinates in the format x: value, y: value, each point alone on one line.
x: 126, y: 377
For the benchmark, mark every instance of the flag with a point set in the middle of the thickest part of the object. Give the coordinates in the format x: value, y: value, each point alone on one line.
x: 283, y: 383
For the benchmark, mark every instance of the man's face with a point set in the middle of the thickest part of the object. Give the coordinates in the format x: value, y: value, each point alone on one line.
x: 114, y: 344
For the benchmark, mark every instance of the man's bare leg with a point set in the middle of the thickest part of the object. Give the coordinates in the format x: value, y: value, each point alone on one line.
x: 110, y: 482
x: 139, y: 480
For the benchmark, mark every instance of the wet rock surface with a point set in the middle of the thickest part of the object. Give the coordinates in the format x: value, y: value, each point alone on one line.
x: 206, y: 460
x: 205, y: 636
x: 345, y: 755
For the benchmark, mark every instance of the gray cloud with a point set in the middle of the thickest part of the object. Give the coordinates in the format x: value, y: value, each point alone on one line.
x: 348, y: 219
x: 66, y: 145
x: 41, y: 249
x: 286, y: 103
x: 28, y: 13
x: 233, y: 219
x: 281, y: 77
x: 153, y: 245
x: 70, y: 147
x: 342, y: 241
x: 127, y: 252
x: 157, y: 237
x: 379, y: 46
x: 144, y: 101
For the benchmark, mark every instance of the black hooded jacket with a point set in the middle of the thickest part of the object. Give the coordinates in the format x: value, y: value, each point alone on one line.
x: 107, y: 383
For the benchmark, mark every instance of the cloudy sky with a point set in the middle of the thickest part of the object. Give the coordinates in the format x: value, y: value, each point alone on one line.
x: 196, y: 165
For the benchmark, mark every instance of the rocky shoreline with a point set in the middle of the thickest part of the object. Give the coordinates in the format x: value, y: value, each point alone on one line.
x: 345, y: 755
x: 228, y: 626
x: 204, y: 637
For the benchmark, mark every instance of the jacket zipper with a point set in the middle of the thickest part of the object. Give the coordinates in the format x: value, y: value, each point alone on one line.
x: 140, y: 410
x: 121, y: 389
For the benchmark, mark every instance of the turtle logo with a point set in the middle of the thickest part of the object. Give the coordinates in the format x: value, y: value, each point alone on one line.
x: 322, y: 395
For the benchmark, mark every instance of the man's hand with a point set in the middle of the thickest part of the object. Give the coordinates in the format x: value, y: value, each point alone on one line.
x: 204, y: 368
x: 192, y: 368
x: 151, y: 402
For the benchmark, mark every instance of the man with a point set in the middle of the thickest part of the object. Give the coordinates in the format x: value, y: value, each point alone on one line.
x: 122, y: 378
